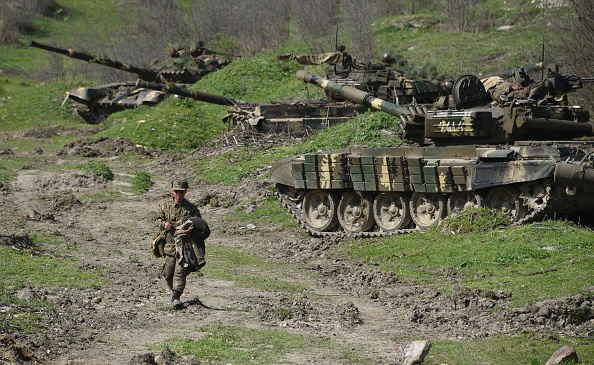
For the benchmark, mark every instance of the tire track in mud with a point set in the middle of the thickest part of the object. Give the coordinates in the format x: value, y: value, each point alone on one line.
x: 358, y: 307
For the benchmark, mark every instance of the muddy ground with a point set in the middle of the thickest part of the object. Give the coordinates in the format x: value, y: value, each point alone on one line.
x: 361, y: 308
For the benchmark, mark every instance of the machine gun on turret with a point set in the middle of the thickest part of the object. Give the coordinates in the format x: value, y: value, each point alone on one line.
x: 559, y: 85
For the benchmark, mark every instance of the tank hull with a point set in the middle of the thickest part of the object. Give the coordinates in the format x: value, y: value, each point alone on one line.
x: 294, y: 117
x: 376, y: 191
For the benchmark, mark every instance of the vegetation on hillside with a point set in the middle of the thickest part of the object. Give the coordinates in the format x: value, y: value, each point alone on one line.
x: 450, y: 37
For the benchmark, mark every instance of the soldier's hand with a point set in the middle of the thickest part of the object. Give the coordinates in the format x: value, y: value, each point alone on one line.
x: 168, y: 226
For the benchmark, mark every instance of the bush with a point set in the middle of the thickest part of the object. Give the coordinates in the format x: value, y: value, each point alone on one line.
x: 473, y: 221
x: 98, y: 168
x: 141, y: 182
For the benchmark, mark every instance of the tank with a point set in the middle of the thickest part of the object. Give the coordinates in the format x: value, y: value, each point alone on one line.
x: 520, y: 156
x: 94, y: 104
x: 295, y: 117
x: 381, y: 80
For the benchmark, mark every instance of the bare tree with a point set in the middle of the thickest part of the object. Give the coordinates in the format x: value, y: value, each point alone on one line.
x: 256, y: 24
x: 151, y: 27
x: 316, y: 22
x: 573, y: 46
x: 464, y: 15
x: 16, y: 17
x: 358, y: 18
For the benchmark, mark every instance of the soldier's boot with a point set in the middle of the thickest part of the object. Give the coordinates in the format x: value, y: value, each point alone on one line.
x: 175, y: 302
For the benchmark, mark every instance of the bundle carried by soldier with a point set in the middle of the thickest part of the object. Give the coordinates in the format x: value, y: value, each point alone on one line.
x: 189, y: 243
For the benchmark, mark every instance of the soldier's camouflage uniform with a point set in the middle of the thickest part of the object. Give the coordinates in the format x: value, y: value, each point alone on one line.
x: 535, y: 91
x: 174, y: 273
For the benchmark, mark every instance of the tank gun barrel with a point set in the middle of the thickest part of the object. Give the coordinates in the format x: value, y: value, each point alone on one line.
x: 172, y: 88
x: 143, y: 73
x: 352, y: 94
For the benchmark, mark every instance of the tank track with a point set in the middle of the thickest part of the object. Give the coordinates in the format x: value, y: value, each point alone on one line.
x: 295, y: 210
x: 556, y: 203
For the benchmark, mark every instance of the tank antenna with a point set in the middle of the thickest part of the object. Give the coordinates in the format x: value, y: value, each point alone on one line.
x: 542, y: 65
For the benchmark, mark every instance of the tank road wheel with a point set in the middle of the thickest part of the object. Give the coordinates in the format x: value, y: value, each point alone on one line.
x: 355, y: 211
x: 463, y: 200
x: 535, y: 195
x: 508, y: 201
x: 390, y: 211
x: 426, y: 209
x: 319, y: 210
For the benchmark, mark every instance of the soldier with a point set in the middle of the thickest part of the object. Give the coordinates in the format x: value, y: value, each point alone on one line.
x: 342, y: 69
x: 174, y: 213
x: 505, y: 91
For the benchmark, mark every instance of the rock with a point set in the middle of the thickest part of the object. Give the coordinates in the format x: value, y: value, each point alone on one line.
x: 412, y: 353
x: 565, y: 353
x: 252, y: 208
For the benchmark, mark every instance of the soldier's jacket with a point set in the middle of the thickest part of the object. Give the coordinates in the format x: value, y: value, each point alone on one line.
x: 177, y: 215
x: 535, y: 90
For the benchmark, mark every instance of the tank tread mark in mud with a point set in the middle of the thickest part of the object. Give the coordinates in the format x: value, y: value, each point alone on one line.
x: 377, y: 191
x: 294, y: 117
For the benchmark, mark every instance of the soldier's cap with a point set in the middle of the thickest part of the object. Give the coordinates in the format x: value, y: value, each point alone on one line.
x: 178, y: 184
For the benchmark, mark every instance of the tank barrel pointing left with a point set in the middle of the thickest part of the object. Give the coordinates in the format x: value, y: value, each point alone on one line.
x: 143, y: 73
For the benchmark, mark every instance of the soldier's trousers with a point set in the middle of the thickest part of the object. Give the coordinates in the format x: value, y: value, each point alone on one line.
x: 175, y: 274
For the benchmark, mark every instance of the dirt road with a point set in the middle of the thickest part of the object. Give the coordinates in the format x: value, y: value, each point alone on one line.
x: 347, y: 303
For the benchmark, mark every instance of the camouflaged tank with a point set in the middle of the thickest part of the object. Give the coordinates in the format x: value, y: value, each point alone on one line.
x: 94, y: 104
x: 515, y: 155
x: 381, y: 80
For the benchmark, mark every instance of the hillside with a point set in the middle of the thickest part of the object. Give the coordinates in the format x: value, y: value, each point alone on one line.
x: 78, y: 201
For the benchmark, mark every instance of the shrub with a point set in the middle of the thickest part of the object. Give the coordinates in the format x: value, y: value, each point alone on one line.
x: 141, y: 182
x: 98, y: 168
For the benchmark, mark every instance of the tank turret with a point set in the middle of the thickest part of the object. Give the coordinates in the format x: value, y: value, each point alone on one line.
x: 382, y: 80
x: 477, y: 117
x: 508, y: 154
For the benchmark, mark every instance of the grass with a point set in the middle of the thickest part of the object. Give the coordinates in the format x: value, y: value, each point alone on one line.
x: 240, y: 345
x: 33, y: 267
x: 268, y: 211
x: 104, y: 195
x: 98, y: 168
x: 250, y: 270
x: 524, y: 348
x: 5, y: 174
x: 174, y: 124
x: 29, y: 105
x: 141, y: 182
x: 533, y: 263
x: 20, y: 268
